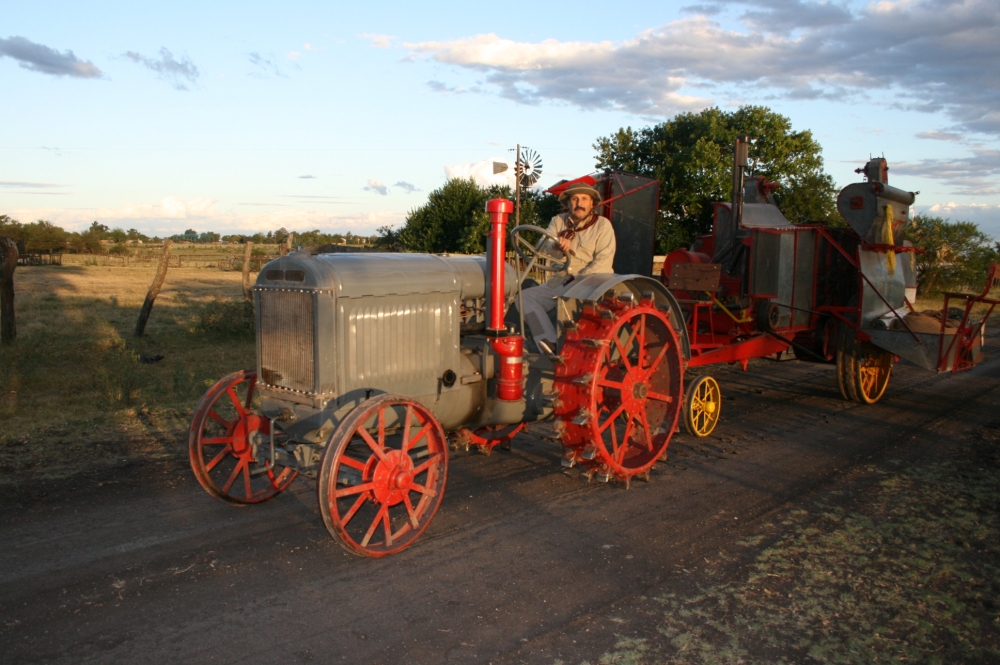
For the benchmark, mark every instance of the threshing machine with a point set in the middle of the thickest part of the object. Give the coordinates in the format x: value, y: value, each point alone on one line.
x: 366, y: 363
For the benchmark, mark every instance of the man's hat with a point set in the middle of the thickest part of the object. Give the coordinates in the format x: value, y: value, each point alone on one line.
x: 581, y: 188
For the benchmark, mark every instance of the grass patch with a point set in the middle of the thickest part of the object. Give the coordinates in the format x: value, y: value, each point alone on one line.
x: 910, y: 574
x: 74, y: 394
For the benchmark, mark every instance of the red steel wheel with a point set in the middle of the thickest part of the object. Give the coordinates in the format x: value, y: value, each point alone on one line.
x: 228, y: 441
x: 619, y: 405
x: 489, y: 437
x: 383, y: 475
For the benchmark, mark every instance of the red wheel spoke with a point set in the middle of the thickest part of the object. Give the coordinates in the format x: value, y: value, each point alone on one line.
x: 233, y: 476
x: 611, y: 418
x: 423, y: 490
x: 433, y: 459
x: 349, y: 515
x: 376, y: 448
x: 406, y: 427
x: 381, y: 428
x: 246, y: 479
x: 375, y: 522
x: 414, y: 522
x: 659, y: 359
x: 645, y: 430
x: 217, y: 441
x: 624, y: 356
x: 219, y: 419
x: 354, y: 489
x: 421, y: 434
x: 353, y: 463
x: 659, y: 397
x: 620, y: 453
x: 250, y: 387
x: 231, y: 391
x: 614, y: 441
x: 610, y: 384
x: 218, y: 458
x: 387, y: 527
x: 642, y: 338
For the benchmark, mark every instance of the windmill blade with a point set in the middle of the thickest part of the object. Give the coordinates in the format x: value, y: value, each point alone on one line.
x: 530, y: 166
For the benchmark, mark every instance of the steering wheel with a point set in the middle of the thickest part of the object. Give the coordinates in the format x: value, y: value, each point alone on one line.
x: 556, y: 260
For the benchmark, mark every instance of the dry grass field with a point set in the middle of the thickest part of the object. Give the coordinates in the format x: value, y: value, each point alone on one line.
x: 74, y: 392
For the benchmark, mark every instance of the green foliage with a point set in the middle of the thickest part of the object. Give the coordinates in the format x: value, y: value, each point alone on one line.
x: 956, y: 254
x: 454, y: 219
x: 691, y: 156
x: 227, y: 317
x: 119, y: 379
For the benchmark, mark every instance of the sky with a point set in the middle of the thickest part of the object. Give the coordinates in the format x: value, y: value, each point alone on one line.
x: 250, y: 116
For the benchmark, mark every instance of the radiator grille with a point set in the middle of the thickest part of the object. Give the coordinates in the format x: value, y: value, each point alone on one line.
x: 285, y: 330
x: 391, y: 341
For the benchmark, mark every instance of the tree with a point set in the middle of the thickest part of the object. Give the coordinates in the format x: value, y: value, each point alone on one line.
x: 44, y: 236
x: 956, y: 254
x: 691, y: 156
x: 101, y: 231
x: 454, y: 218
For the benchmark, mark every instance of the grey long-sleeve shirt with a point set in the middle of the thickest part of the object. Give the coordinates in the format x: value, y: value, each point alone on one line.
x: 594, y: 247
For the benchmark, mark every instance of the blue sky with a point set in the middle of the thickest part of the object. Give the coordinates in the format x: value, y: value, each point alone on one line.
x: 250, y: 116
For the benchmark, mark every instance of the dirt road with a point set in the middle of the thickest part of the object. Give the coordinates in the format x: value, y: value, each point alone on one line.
x: 525, y: 562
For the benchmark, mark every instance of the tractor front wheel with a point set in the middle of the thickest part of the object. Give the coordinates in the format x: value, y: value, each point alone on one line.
x: 382, y: 476
x: 228, y: 444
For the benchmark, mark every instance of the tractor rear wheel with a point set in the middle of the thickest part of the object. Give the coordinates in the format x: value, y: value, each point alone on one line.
x: 228, y: 441
x: 382, y: 476
x: 619, y: 386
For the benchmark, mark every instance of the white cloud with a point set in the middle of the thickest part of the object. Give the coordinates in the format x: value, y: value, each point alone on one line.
x: 172, y: 215
x: 939, y: 136
x: 376, y: 186
x: 266, y: 66
x: 293, y: 55
x: 41, y: 58
x: 406, y: 187
x: 972, y: 176
x: 925, y: 55
x: 985, y: 216
x: 377, y: 40
x: 173, y: 71
x: 309, y: 47
x: 482, y: 172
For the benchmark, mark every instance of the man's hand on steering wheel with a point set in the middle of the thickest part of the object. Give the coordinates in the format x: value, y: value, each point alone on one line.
x: 546, y: 248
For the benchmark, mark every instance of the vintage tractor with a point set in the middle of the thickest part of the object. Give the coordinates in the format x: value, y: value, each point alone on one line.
x: 366, y: 363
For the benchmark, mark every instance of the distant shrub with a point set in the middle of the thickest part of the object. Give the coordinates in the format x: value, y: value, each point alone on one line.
x: 228, y: 317
x: 118, y: 378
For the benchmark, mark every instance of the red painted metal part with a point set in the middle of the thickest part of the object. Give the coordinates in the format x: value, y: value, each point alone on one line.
x: 755, y: 347
x: 498, y: 210
x: 383, y: 475
x: 489, y: 437
x: 965, y: 336
x: 510, y: 352
x: 224, y: 434
x: 620, y: 387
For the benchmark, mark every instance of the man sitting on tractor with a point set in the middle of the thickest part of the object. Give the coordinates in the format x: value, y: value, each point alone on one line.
x: 588, y: 241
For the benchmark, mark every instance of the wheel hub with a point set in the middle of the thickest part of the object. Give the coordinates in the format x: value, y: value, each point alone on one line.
x: 392, y: 477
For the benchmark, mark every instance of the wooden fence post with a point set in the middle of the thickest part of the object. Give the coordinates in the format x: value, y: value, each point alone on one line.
x: 154, y: 290
x: 8, y: 261
x: 247, y: 251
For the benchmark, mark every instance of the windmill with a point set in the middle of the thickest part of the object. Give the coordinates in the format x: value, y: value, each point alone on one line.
x: 527, y: 171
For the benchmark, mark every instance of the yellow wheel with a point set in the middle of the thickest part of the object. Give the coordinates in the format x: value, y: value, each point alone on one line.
x: 702, y: 406
x: 863, y: 371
